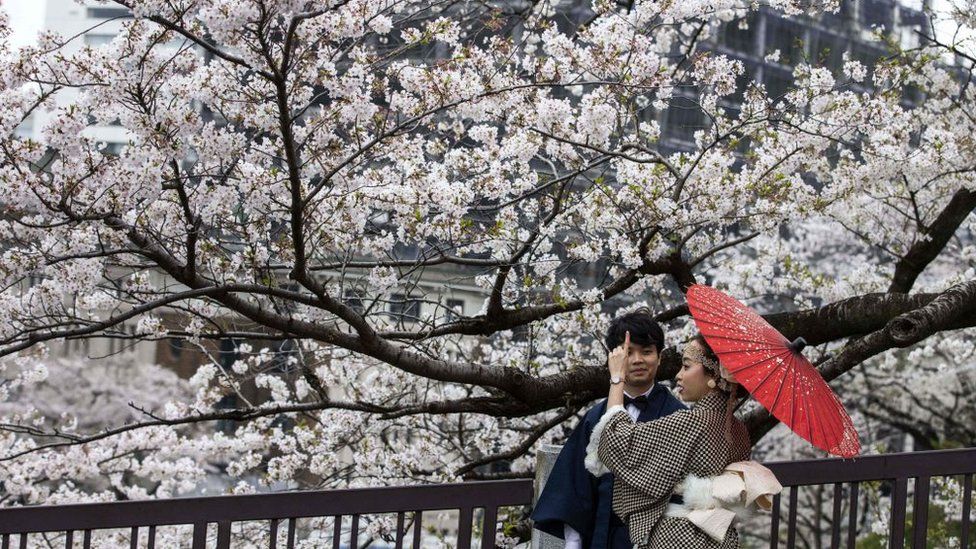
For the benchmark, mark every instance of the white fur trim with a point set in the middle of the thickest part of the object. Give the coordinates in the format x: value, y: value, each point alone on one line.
x: 697, y: 492
x: 703, y: 509
x: 592, y: 460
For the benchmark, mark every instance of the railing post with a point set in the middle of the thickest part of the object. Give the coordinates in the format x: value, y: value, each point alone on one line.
x: 791, y: 525
x: 489, y: 525
x: 464, y: 528
x: 223, y: 534
x: 291, y: 534
x: 835, y: 518
x: 921, y: 513
x: 417, y: 528
x: 400, y: 531
x: 774, y: 524
x: 967, y: 502
x: 852, y: 517
x: 354, y: 533
x: 337, y: 532
x: 199, y: 535
x: 273, y: 534
x: 899, y: 497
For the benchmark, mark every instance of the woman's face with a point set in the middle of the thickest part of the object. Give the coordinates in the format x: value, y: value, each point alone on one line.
x: 692, y: 377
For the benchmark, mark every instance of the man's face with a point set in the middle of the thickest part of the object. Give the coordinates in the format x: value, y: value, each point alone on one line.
x: 642, y: 363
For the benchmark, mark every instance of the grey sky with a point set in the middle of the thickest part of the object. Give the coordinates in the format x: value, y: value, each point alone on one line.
x: 27, y: 18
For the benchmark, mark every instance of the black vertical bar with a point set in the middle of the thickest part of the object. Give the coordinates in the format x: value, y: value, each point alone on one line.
x: 86, y: 539
x: 835, y: 521
x: 354, y: 533
x: 899, y: 497
x: 134, y: 538
x: 791, y: 524
x: 337, y: 532
x: 967, y: 502
x: 273, y: 544
x: 774, y: 525
x: 418, y: 520
x: 199, y: 535
x: 399, y: 531
x: 291, y: 534
x: 69, y: 539
x: 921, y: 513
x: 152, y: 538
x: 23, y: 541
x: 489, y: 527
x: 852, y: 517
x: 223, y: 534
x: 5, y: 541
x: 464, y: 528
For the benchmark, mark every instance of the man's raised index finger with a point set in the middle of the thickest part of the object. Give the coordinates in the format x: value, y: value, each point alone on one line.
x: 627, y: 341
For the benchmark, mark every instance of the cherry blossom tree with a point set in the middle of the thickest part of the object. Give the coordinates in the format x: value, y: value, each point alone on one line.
x: 293, y: 166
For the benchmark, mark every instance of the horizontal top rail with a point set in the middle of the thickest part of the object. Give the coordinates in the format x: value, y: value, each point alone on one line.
x: 125, y: 514
x: 959, y: 461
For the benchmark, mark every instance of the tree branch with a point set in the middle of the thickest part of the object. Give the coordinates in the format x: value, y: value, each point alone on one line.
x: 932, y: 240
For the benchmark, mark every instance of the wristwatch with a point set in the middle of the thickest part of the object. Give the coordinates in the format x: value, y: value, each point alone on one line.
x: 615, y: 380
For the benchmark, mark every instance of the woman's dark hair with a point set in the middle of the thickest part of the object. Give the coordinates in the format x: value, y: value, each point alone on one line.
x: 707, y: 351
x: 644, y: 330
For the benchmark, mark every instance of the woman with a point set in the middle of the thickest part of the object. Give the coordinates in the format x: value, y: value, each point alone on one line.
x: 657, y: 461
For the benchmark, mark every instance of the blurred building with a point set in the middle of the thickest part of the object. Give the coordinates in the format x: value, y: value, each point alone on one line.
x: 863, y: 30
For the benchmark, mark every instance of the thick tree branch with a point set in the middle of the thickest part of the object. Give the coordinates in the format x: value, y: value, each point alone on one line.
x: 953, y: 309
x: 932, y: 240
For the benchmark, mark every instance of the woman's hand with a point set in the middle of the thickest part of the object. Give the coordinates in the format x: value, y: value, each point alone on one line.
x: 617, y: 361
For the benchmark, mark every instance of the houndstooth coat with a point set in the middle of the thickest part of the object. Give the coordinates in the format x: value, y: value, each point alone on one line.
x: 650, y: 459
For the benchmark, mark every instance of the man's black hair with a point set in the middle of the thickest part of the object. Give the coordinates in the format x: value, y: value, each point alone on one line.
x: 644, y: 330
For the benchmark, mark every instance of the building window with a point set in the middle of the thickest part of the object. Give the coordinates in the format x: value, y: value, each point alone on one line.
x: 740, y: 39
x: 96, y: 40
x: 279, y: 362
x: 777, y: 83
x: 877, y: 13
x: 176, y: 348
x: 786, y: 37
x: 684, y: 117
x: 404, y: 308
x: 827, y: 50
x: 112, y: 149
x: 455, y: 309
x: 108, y: 13
x: 354, y: 300
x: 227, y: 402
x: 229, y: 353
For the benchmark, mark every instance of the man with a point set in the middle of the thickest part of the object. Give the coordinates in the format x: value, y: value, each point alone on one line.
x: 575, y: 505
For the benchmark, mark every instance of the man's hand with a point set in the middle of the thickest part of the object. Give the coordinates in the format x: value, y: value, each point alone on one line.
x: 617, y: 361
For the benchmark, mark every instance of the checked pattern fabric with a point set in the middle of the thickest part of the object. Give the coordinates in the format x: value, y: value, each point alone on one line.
x: 649, y: 459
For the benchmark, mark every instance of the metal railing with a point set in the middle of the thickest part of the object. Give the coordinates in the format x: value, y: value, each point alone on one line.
x: 846, y: 476
x: 281, y: 510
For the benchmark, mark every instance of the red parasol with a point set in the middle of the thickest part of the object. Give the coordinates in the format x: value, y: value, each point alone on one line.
x: 772, y: 369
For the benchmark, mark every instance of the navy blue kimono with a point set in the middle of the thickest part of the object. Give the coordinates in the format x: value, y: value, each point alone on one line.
x: 575, y: 497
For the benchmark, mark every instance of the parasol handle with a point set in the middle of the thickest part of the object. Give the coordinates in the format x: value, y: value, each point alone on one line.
x: 798, y: 344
